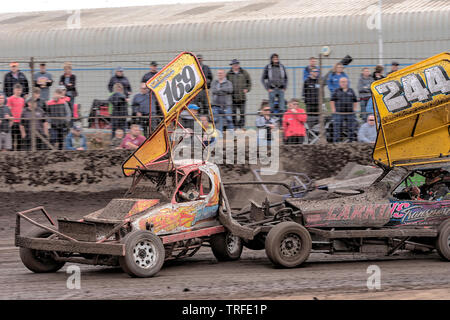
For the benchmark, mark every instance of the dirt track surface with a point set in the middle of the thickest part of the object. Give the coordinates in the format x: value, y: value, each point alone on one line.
x: 202, y: 277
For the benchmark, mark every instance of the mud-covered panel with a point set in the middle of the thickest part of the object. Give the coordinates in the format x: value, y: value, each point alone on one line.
x: 419, y: 212
x: 119, y: 209
x: 370, y: 215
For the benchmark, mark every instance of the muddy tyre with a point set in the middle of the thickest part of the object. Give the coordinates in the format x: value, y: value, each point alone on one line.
x: 144, y: 254
x: 39, y: 261
x: 443, y: 241
x: 225, y: 246
x: 288, y: 244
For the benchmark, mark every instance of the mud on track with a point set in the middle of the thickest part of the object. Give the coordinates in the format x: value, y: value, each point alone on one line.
x: 202, y: 277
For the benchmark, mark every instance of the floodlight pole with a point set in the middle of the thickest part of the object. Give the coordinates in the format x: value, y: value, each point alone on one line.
x: 380, y: 34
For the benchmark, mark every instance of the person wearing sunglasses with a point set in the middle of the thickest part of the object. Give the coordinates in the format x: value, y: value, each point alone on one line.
x: 368, y: 131
x: 265, y: 123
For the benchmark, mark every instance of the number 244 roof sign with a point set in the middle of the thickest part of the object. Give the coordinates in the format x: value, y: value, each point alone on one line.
x: 177, y: 83
x: 421, y: 86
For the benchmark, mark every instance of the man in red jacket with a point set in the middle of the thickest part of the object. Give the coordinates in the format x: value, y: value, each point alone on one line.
x: 294, y: 123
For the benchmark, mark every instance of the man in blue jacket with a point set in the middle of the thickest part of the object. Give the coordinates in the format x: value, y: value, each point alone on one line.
x: 76, y: 140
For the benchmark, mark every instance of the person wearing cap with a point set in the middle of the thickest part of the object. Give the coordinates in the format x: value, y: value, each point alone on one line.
x: 69, y: 80
x: 186, y: 118
x: 76, y: 140
x: 5, y: 124
x: 13, y: 77
x: 201, y: 99
x: 40, y: 124
x: 394, y: 67
x: 153, y: 71
x: 43, y: 80
x: 312, y: 66
x: 275, y: 80
x: 120, y: 78
x: 242, y: 84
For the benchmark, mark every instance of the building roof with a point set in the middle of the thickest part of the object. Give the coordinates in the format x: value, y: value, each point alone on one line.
x: 210, y: 12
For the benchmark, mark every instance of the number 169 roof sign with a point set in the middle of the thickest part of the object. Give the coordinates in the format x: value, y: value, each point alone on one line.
x: 177, y: 83
x: 413, y: 111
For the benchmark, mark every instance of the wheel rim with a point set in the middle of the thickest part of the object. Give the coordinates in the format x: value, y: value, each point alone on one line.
x: 448, y: 241
x: 232, y: 243
x: 144, y: 254
x: 290, y: 245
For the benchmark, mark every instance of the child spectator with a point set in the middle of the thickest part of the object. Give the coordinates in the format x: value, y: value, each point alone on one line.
x: 68, y: 80
x: 265, y: 124
x: 117, y: 140
x: 5, y: 124
x: 36, y: 96
x: 43, y: 80
x: 15, y: 76
x: 134, y: 139
x: 58, y: 108
x: 120, y: 78
x: 312, y: 65
x: 119, y: 105
x: 364, y: 91
x: 76, y: 140
x: 16, y: 104
x: 294, y: 123
x: 368, y: 131
x: 335, y: 76
x: 40, y: 124
x: 210, y: 134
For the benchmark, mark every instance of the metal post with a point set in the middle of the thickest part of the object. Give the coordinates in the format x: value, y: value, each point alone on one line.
x: 33, y: 110
x: 380, y: 34
x: 322, y: 134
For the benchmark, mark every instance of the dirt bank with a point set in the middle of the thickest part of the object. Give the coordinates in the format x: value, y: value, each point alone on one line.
x: 100, y: 170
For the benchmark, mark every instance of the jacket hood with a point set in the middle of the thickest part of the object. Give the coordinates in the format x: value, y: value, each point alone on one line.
x: 273, y: 55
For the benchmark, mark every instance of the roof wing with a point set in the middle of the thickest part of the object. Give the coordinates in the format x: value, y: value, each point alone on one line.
x: 174, y: 87
x: 413, y: 114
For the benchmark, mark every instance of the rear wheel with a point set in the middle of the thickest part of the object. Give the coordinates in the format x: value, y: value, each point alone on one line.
x: 37, y: 260
x: 225, y: 246
x: 443, y: 241
x: 288, y: 244
x: 144, y: 254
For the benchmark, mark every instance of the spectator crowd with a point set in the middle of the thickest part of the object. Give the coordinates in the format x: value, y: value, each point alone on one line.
x: 29, y: 110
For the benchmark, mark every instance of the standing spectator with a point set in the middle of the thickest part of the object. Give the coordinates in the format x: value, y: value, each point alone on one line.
x: 242, y: 84
x: 275, y: 80
x: 16, y: 104
x: 265, y: 124
x: 59, y: 114
x: 76, y: 140
x: 141, y: 108
x: 335, y: 76
x: 151, y: 73
x: 43, y: 80
x: 119, y: 105
x: 117, y: 140
x: 364, y: 91
x: 222, y: 101
x: 15, y: 76
x: 294, y: 123
x: 120, y: 78
x: 368, y: 131
x: 134, y: 139
x: 311, y: 96
x: 378, y: 73
x: 40, y: 125
x: 36, y: 96
x: 312, y: 65
x: 343, y: 100
x: 69, y: 81
x: 201, y: 99
x: 394, y: 67
x: 5, y: 124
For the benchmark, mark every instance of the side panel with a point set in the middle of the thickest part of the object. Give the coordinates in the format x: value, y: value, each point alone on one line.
x: 419, y: 212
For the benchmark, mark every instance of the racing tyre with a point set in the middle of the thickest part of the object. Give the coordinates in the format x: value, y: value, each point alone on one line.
x: 37, y: 260
x: 144, y: 254
x: 443, y: 241
x: 288, y: 244
x: 225, y: 246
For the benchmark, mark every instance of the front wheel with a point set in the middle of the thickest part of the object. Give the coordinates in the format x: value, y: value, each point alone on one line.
x: 288, y: 244
x: 443, y: 241
x: 37, y: 260
x: 144, y: 254
x: 225, y: 246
